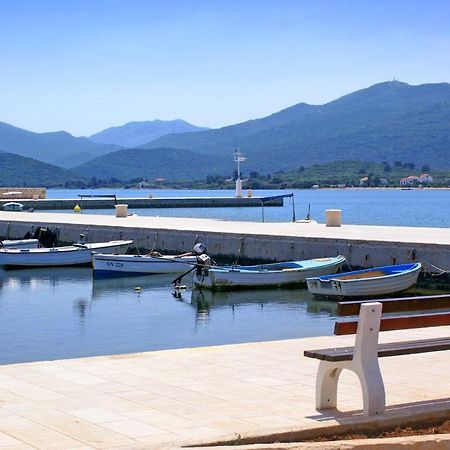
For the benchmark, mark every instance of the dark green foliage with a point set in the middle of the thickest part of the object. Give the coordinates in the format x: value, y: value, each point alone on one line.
x: 18, y: 171
x: 345, y: 173
x: 389, y: 122
x: 167, y: 163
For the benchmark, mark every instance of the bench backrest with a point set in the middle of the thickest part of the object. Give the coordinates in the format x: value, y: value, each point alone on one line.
x: 394, y: 305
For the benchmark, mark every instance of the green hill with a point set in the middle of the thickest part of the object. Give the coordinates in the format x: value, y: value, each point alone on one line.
x: 59, y: 148
x: 133, y: 134
x: 386, y: 122
x: 167, y: 163
x: 345, y: 173
x: 16, y: 170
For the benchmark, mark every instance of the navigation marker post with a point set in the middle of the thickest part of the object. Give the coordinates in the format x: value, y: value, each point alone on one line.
x: 238, y: 157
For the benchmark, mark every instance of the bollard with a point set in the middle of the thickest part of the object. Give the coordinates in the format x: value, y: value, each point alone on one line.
x: 121, y: 210
x: 333, y: 217
x: 249, y: 193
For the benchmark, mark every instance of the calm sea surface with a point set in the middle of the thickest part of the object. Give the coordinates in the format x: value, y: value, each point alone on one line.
x: 57, y: 313
x: 418, y: 207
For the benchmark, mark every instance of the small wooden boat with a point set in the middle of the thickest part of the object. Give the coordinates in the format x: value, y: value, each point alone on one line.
x: 13, y: 206
x: 366, y: 283
x: 70, y: 255
x: 20, y: 243
x: 276, y: 274
x: 127, y: 265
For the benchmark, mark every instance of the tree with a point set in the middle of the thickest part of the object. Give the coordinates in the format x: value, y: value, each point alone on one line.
x: 425, y: 168
x: 398, y: 164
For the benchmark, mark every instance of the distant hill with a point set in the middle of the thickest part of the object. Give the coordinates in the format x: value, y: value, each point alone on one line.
x: 386, y: 122
x: 133, y: 134
x: 167, y: 163
x: 16, y: 170
x: 59, y: 148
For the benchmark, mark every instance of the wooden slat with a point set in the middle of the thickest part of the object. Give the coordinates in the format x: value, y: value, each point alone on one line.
x: 392, y: 305
x: 398, y: 323
x: 384, y: 350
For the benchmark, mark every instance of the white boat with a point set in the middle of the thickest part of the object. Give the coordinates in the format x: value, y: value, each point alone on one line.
x: 366, y: 283
x: 12, y: 206
x: 20, y: 243
x: 70, y: 255
x: 116, y: 265
x: 276, y: 274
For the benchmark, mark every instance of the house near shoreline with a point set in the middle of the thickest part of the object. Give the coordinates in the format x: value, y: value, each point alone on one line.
x: 411, y: 180
x: 364, y: 181
x: 425, y: 178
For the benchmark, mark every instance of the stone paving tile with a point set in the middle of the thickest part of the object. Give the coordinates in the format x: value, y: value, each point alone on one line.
x: 196, y: 395
x: 132, y: 428
x: 7, y: 440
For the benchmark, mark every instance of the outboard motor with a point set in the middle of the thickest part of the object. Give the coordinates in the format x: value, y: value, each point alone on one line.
x: 46, y: 237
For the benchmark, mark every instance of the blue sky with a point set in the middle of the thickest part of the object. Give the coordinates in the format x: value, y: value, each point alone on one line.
x: 82, y: 66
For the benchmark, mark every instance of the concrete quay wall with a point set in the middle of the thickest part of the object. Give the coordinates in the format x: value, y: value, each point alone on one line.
x: 186, y: 202
x: 363, y: 246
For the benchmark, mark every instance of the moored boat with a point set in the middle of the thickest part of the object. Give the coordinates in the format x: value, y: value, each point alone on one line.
x: 12, y: 206
x: 276, y: 274
x: 20, y: 243
x: 70, y: 255
x: 135, y: 265
x: 366, y: 283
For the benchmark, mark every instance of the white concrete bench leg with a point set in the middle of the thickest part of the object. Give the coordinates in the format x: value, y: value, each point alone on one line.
x: 364, y: 364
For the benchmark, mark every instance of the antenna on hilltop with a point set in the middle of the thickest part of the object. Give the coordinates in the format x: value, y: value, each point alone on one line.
x: 238, y: 157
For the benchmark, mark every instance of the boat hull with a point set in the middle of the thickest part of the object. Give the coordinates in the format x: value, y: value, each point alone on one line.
x: 71, y: 255
x: 128, y: 265
x: 364, y: 287
x: 20, y: 243
x: 251, y: 276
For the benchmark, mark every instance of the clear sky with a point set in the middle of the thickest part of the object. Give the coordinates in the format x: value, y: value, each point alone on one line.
x: 85, y: 65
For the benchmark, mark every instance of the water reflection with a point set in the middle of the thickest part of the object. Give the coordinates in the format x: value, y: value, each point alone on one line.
x: 63, y: 312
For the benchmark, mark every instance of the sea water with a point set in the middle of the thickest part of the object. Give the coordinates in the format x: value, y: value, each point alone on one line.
x: 415, y: 207
x: 57, y: 313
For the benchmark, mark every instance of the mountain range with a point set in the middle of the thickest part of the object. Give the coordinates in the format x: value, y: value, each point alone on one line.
x: 59, y: 148
x: 386, y: 122
x: 133, y: 134
x: 390, y: 121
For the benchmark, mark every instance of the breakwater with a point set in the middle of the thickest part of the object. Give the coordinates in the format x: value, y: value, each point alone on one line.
x: 362, y: 245
x: 170, y: 202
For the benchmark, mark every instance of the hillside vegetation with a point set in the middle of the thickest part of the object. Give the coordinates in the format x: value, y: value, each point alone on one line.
x: 386, y: 122
x: 167, y: 163
x: 16, y: 170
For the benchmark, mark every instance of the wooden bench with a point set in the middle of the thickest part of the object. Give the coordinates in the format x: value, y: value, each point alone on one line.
x: 362, y: 358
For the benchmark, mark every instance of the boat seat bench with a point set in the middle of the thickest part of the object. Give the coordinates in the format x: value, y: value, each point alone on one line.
x: 362, y: 358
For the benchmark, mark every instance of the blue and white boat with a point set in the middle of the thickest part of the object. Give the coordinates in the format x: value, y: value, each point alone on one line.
x: 276, y: 274
x: 135, y: 265
x: 366, y: 283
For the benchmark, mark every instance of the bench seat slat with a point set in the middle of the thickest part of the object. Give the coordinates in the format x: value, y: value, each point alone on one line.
x: 389, y: 349
x: 398, y: 323
x: 394, y: 305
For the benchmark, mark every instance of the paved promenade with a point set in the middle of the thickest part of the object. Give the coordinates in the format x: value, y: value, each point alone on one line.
x: 191, y: 396
x: 421, y: 235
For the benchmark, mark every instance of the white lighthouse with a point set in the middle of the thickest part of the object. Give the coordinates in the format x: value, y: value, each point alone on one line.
x: 238, y: 157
